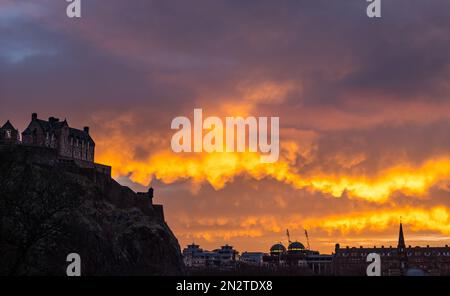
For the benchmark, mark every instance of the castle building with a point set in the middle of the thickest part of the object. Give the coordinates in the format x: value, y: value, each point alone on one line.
x: 69, y: 142
x: 54, y: 141
x: 395, y: 261
x: 9, y: 134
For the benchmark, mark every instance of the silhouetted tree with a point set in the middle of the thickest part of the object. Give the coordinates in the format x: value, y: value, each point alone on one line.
x: 34, y: 203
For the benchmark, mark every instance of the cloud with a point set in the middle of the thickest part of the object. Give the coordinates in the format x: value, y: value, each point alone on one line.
x: 363, y: 105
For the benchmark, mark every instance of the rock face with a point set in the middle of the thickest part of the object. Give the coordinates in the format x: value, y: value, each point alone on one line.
x: 50, y: 209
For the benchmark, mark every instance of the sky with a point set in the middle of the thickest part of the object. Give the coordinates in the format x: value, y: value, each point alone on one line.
x: 364, y: 108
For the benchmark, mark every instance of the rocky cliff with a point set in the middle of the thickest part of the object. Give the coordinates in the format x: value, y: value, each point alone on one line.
x: 50, y: 209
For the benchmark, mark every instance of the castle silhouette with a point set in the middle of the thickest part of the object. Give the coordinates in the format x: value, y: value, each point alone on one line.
x: 52, y: 141
x: 69, y: 142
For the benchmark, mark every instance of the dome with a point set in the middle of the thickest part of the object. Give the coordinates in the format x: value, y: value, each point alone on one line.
x: 277, y: 249
x: 296, y: 246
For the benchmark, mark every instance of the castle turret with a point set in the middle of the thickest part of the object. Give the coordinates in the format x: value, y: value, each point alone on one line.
x: 148, y: 194
x: 9, y: 134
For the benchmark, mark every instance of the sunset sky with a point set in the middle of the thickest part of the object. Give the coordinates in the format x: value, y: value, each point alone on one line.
x: 364, y: 107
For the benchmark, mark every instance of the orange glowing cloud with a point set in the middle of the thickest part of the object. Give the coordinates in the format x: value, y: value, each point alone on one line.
x: 435, y: 219
x: 218, y: 169
x: 418, y: 219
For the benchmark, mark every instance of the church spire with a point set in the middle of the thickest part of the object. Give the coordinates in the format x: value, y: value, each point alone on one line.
x: 401, y: 238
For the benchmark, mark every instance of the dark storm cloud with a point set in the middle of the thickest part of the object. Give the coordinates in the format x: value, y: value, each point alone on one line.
x: 330, y: 47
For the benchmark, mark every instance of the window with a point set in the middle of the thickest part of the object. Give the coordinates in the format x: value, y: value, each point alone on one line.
x: 8, y: 134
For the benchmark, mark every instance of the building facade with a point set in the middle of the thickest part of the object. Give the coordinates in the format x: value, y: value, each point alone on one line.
x: 70, y: 143
x: 252, y: 258
x: 223, y: 258
x: 395, y: 261
x: 297, y: 257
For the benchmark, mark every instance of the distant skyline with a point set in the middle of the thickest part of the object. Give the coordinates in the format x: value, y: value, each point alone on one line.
x: 364, y: 109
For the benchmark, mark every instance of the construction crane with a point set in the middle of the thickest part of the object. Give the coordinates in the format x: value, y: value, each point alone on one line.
x: 288, y: 236
x: 307, y: 239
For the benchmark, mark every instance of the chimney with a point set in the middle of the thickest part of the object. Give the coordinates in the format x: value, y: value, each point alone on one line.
x: 34, y: 116
x: 86, y: 129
